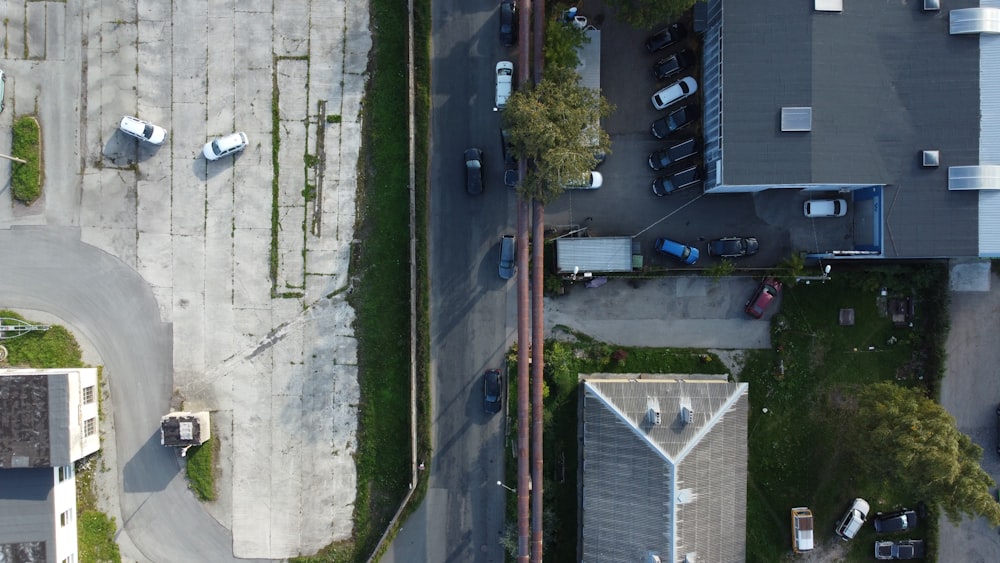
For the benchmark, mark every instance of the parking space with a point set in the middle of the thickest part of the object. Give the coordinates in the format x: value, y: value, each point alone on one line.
x: 626, y: 205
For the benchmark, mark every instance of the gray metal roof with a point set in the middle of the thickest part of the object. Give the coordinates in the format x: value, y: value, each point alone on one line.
x: 884, y: 81
x: 27, y: 515
x: 594, y: 254
x: 24, y: 424
x: 671, y: 488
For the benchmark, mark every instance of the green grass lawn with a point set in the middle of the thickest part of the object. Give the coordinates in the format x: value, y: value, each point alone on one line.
x: 799, y: 452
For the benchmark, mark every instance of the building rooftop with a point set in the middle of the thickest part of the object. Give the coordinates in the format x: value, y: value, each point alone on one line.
x: 884, y: 81
x: 670, y: 488
x: 26, y: 514
x: 24, y: 421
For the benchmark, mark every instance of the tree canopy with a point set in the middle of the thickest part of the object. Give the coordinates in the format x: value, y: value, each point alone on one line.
x: 556, y: 126
x: 644, y: 14
x: 911, y: 439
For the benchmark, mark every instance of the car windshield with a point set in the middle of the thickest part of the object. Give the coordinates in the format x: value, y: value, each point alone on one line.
x: 215, y: 147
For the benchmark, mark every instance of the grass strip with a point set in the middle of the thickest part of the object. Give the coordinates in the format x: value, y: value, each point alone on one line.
x: 26, y: 179
x: 200, y: 464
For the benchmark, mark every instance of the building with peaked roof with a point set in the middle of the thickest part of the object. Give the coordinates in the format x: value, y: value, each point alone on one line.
x: 663, y: 470
x: 48, y: 421
x: 889, y: 103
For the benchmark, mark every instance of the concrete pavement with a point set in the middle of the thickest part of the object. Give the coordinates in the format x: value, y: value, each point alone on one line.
x: 674, y: 312
x: 970, y: 391
x: 275, y: 363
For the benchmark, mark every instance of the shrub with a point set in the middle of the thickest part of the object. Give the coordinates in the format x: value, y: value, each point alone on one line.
x: 26, y: 179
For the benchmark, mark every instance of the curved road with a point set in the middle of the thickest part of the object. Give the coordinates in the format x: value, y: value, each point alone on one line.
x: 49, y: 269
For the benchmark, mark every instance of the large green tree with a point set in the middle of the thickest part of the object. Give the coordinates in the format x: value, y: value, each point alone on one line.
x: 556, y: 126
x: 644, y: 14
x: 908, y: 438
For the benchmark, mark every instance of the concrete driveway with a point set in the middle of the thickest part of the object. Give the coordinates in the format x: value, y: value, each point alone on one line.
x: 674, y: 312
x: 970, y: 392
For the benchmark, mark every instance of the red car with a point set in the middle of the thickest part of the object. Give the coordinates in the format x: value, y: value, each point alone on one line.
x: 766, y: 292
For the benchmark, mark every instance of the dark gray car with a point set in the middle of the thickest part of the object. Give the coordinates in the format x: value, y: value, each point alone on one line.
x: 508, y: 251
x: 897, y: 521
x: 674, y: 153
x: 666, y: 185
x: 474, y: 171
x: 680, y: 117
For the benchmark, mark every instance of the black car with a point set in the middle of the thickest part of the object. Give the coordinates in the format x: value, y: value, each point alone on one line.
x: 680, y: 117
x: 897, y: 521
x: 733, y: 247
x: 474, y: 171
x: 666, y: 185
x: 492, y: 390
x: 666, y: 37
x: 674, y: 153
x: 669, y: 66
x: 508, y: 23
x: 899, y: 550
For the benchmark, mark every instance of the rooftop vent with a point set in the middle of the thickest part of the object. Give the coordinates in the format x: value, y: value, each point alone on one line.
x: 932, y: 5
x: 691, y: 557
x: 930, y: 159
x: 829, y: 5
x: 685, y: 496
x: 797, y: 119
x: 687, y: 415
x: 654, y: 416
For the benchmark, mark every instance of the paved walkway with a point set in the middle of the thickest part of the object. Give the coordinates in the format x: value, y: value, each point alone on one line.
x: 274, y: 362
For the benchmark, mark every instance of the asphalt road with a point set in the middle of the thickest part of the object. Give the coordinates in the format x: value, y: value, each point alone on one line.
x: 461, y: 518
x: 49, y: 269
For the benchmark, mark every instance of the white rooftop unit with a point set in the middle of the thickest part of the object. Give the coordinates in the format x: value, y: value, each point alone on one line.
x: 585, y: 255
x: 974, y: 20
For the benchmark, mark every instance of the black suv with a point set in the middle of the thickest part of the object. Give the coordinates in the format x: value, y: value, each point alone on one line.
x: 666, y: 185
x: 680, y: 117
x: 474, y: 171
x: 675, y: 153
x: 508, y: 23
x: 897, y: 521
x: 669, y: 66
x: 666, y: 37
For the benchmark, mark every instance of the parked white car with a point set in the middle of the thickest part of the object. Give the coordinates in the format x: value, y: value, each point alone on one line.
x: 505, y: 83
x: 225, y: 146
x: 675, y: 92
x: 142, y: 130
x: 825, y: 208
x: 850, y: 523
x: 589, y: 181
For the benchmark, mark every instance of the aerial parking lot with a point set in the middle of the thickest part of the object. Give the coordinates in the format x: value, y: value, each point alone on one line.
x: 626, y: 204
